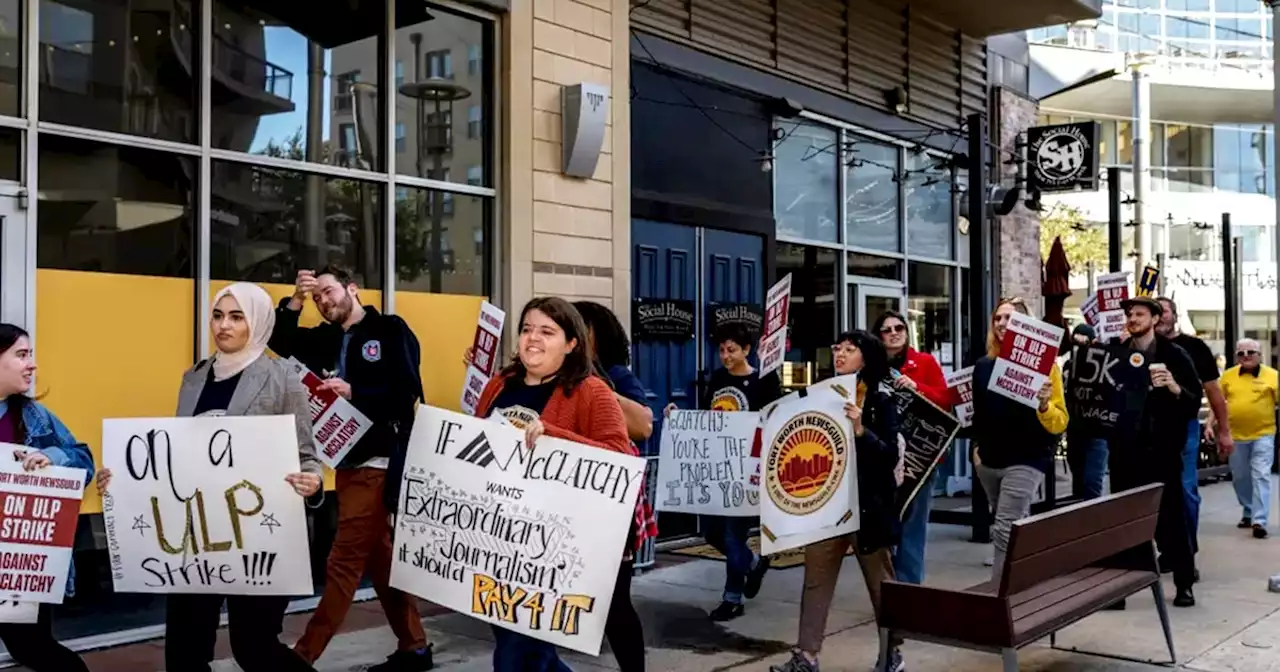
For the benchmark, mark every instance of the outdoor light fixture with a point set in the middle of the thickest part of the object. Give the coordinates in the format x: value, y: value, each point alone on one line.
x: 896, y: 99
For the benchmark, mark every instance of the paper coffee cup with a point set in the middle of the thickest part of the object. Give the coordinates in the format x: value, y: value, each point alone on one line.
x: 1157, y: 366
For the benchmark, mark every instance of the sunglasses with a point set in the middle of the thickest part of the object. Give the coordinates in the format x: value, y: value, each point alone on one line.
x: 895, y: 329
x: 1246, y: 353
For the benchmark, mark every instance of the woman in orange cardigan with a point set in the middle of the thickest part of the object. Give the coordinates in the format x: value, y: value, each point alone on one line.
x: 551, y: 389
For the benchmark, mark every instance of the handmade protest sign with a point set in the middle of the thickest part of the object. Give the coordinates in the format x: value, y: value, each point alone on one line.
x: 527, y: 540
x: 810, y: 486
x: 484, y: 355
x: 927, y: 431
x: 705, y: 463
x: 961, y: 385
x: 773, y: 342
x: 1107, y: 389
x: 1113, y: 289
x: 1027, y: 355
x: 38, y: 515
x: 200, y: 505
x: 336, y: 425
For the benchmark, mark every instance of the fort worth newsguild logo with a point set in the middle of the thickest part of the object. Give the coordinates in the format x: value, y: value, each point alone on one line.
x: 730, y: 399
x: 806, y: 463
x: 518, y: 416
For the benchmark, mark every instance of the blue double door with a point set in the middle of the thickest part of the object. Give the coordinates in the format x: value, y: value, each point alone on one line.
x: 705, y: 266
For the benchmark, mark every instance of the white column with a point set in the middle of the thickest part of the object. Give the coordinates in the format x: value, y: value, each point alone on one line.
x: 1141, y: 160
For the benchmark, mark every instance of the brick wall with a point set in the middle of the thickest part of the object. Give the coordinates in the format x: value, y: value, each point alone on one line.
x: 1018, y: 233
x: 566, y: 236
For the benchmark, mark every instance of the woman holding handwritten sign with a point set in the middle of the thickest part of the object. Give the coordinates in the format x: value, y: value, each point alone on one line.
x: 239, y: 380
x: 875, y: 428
x: 551, y: 389
x: 1015, y: 441
x: 26, y: 422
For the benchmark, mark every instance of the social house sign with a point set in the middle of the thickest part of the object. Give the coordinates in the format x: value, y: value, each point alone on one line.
x: 524, y: 539
x: 38, y: 515
x: 705, y: 463
x: 1027, y: 355
x: 200, y: 505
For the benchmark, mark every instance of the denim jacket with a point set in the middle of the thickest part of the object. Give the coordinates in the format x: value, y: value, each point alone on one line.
x: 46, y: 433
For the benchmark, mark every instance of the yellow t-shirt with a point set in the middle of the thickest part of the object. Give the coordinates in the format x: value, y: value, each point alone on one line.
x: 1251, y: 402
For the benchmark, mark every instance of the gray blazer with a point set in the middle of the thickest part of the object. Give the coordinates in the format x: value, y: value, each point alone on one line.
x: 265, y: 388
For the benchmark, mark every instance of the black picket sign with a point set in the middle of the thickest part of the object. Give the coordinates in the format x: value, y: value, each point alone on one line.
x: 1107, y: 388
x: 662, y: 319
x: 928, y: 431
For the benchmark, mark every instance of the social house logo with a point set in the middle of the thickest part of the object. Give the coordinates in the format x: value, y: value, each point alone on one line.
x: 806, y: 463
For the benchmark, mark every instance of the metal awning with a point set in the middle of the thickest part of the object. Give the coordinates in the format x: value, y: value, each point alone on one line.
x: 984, y: 18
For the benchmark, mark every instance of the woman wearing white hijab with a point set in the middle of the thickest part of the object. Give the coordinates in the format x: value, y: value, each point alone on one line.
x: 239, y: 380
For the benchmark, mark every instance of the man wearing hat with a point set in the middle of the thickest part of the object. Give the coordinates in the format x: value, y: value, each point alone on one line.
x: 1151, y: 452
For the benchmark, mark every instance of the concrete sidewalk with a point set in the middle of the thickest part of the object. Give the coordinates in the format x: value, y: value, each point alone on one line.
x: 1234, y: 628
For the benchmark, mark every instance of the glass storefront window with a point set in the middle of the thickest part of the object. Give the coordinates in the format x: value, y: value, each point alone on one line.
x: 114, y: 66
x: 442, y: 249
x: 929, y: 291
x: 266, y: 223
x: 872, y: 197
x: 806, y: 200
x: 930, y: 207
x: 815, y: 295
x: 11, y: 57
x: 1240, y: 158
x: 285, y: 82
x: 10, y: 154
x: 446, y: 111
x: 870, y: 266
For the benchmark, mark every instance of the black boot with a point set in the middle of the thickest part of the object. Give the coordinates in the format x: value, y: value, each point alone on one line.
x: 1184, y: 598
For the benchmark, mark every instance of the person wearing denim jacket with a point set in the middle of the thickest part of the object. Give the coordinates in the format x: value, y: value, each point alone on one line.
x: 46, y: 442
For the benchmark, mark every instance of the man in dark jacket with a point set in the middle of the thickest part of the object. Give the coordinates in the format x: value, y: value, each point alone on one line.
x: 1151, y: 452
x: 371, y: 360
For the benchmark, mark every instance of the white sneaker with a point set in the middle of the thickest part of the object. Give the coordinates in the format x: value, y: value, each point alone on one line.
x: 990, y: 560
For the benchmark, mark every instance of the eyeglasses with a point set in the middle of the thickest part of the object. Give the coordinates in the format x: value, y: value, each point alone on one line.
x: 893, y: 329
x: 1246, y: 353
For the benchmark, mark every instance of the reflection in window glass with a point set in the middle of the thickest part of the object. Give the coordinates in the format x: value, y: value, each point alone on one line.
x: 284, y: 82
x: 871, y: 197
x: 11, y: 57
x: 806, y: 200
x: 929, y: 316
x: 869, y: 266
x: 814, y: 277
x: 114, y: 209
x: 266, y: 223
x: 442, y: 242
x: 443, y: 107
x: 115, y: 66
x: 1241, y: 158
x: 930, y: 207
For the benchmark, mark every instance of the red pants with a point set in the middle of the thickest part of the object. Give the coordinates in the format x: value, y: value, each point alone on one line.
x: 364, y: 536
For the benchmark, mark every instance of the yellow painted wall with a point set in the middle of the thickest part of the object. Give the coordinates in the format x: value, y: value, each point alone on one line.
x: 115, y: 346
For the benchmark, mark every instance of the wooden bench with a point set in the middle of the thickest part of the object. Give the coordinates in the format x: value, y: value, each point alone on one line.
x: 1060, y: 567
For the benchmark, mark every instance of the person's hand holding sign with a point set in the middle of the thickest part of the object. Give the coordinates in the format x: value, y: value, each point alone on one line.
x: 32, y: 460
x: 855, y: 414
x: 339, y: 386
x: 303, y: 483
x: 532, y: 431
x: 1043, y: 395
x: 903, y: 382
x: 103, y: 480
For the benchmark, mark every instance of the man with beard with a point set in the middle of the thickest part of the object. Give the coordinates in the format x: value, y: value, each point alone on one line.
x: 1151, y: 452
x: 371, y: 360
x: 1207, y: 370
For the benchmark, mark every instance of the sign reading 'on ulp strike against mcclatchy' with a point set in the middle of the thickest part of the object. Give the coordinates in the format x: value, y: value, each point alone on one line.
x: 527, y: 540
x: 1027, y: 355
x: 336, y: 425
x: 38, y: 515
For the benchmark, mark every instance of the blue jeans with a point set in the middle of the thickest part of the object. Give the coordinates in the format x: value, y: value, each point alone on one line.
x: 729, y: 536
x: 1087, y: 458
x: 1191, y: 481
x: 1251, y: 476
x: 908, y: 557
x: 514, y: 652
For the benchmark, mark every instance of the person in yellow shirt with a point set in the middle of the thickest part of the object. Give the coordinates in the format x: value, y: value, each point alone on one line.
x: 1252, y: 390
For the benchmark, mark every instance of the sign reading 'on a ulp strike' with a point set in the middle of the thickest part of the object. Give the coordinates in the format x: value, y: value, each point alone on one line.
x: 527, y: 540
x: 1027, y: 355
x: 705, y: 464
x: 38, y: 514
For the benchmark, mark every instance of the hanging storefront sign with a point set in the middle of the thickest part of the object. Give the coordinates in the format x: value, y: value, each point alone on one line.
x: 748, y: 316
x: 662, y: 319
x: 1063, y: 157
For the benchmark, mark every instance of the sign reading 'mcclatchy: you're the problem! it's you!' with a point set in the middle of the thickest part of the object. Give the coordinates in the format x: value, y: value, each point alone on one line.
x: 528, y: 540
x: 200, y: 505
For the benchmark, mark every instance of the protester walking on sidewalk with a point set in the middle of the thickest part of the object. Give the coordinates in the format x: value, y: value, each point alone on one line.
x: 371, y: 360
x: 1152, y: 452
x: 239, y: 380
x: 1086, y: 452
x: 875, y: 428
x: 920, y: 372
x: 737, y: 386
x: 1207, y: 371
x: 1015, y: 441
x: 1251, y: 390
x: 551, y: 389
x: 26, y: 422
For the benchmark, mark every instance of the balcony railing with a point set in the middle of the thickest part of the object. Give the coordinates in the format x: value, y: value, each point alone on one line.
x: 250, y: 70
